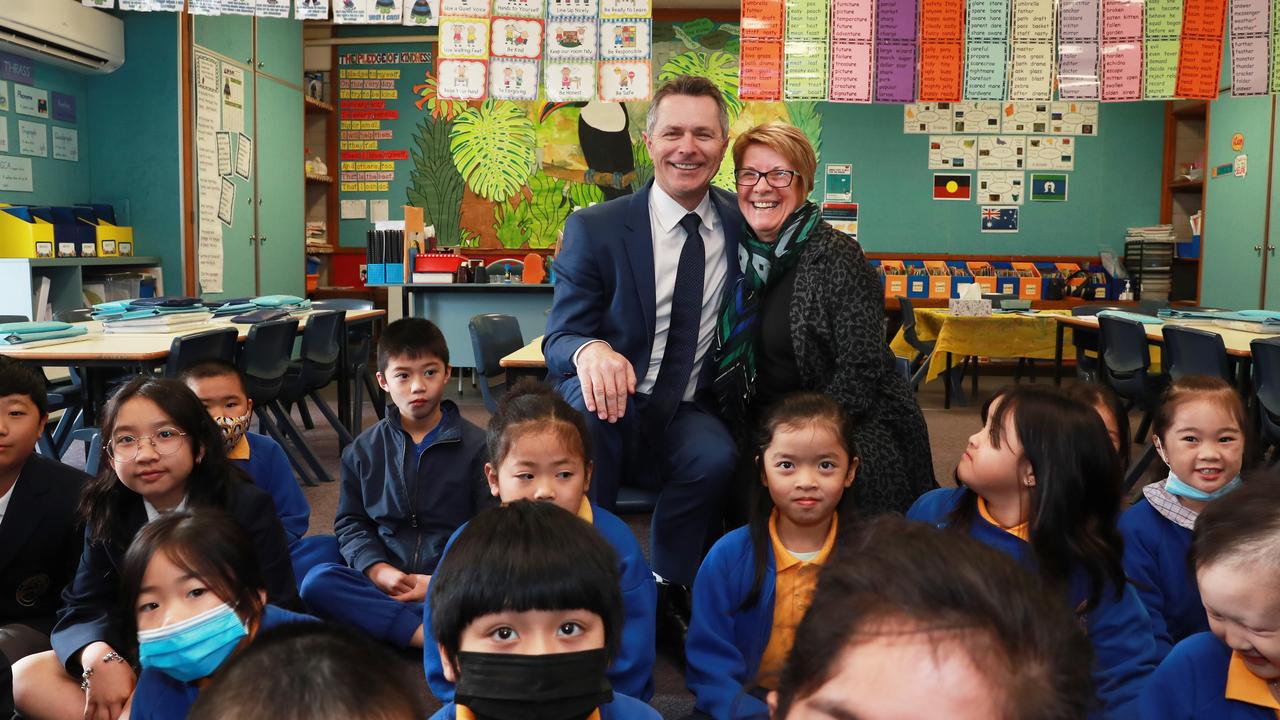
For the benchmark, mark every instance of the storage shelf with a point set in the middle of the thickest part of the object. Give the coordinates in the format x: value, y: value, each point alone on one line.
x: 314, y: 105
x: 311, y: 177
x: 142, y: 260
x: 1191, y: 110
x: 1187, y: 186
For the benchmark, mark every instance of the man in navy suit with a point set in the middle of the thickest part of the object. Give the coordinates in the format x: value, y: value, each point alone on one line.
x: 639, y: 285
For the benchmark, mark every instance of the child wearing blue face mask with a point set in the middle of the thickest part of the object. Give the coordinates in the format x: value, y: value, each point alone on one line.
x: 194, y: 589
x: 1199, y: 432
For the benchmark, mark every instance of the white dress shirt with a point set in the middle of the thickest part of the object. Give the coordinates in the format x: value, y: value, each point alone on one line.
x: 668, y: 240
x: 153, y: 513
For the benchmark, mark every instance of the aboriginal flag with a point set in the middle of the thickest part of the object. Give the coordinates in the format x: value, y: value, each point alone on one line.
x: 952, y: 187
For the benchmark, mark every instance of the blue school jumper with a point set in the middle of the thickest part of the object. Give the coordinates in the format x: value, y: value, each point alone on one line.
x: 1155, y: 559
x: 160, y: 697
x: 631, y: 672
x: 399, y: 504
x: 1191, y: 684
x: 620, y: 708
x: 268, y: 467
x: 1119, y: 629
x: 725, y: 641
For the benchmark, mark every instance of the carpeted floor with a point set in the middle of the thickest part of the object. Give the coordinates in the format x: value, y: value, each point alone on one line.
x: 949, y: 431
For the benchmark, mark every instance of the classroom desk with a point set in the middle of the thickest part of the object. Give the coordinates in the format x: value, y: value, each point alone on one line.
x: 148, y: 352
x: 452, y: 305
x: 1235, y: 341
x: 528, y: 357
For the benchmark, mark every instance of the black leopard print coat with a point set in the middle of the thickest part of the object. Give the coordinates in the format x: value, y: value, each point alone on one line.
x: 838, y: 333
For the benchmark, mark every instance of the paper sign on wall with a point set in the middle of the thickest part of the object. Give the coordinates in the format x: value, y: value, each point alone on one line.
x: 15, y: 174
x: 311, y: 9
x: 4, y: 135
x: 232, y: 98
x: 461, y: 79
x: 31, y: 101
x: 244, y: 156
x: 224, y: 154
x: 422, y: 13
x: 1004, y: 188
x: 511, y: 79
x: 839, y: 182
x: 4, y: 96
x: 66, y: 144
x: 623, y: 81
x: 33, y: 138
x: 227, y: 202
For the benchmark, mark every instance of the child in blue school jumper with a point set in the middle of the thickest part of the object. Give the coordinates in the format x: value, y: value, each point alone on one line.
x: 193, y: 588
x: 526, y: 612
x: 540, y: 449
x: 757, y: 582
x: 1231, y: 672
x: 1199, y: 433
x: 408, y: 482
x: 1041, y: 481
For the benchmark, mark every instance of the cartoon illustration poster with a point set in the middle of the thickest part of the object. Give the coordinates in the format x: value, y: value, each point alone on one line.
x: 461, y: 79
x: 571, y: 39
x: 516, y: 38
x: 625, y: 39
x: 569, y: 81
x: 624, y: 81
x: 464, y: 37
x: 518, y: 8
x: 513, y: 79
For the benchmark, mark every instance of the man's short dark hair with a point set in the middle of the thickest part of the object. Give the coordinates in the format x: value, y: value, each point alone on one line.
x: 311, y: 671
x: 212, y: 368
x: 411, y: 338
x: 521, y: 556
x: 19, y: 379
x: 693, y: 86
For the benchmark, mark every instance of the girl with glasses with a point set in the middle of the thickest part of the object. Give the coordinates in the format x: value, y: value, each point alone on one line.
x: 161, y: 452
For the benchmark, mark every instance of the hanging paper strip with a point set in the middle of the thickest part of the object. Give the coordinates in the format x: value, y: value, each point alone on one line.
x: 986, y: 61
x: 424, y: 13
x: 235, y: 7
x: 176, y: 6
x: 804, y: 50
x: 1034, y: 28
x: 626, y: 49
x: 853, y: 26
x: 349, y: 12
x: 1250, y: 46
x: 572, y: 50
x: 140, y: 5
x: 312, y: 9
x: 377, y: 12
x: 1122, y: 49
x: 941, y: 50
x: 1078, y: 49
x: 760, y: 56
x: 99, y: 3
x: 1161, y: 49
x: 895, y: 62
x: 280, y: 8
x: 1200, y: 56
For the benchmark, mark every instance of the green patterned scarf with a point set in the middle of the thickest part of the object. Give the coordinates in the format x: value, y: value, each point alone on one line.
x: 737, y: 330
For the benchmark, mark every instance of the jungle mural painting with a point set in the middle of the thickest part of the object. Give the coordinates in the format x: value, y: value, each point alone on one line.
x: 505, y: 174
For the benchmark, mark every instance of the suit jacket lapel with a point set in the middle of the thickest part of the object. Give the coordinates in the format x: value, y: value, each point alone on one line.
x: 639, y: 244
x: 26, y: 509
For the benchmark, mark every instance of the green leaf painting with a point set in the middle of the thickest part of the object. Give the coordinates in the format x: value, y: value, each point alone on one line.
x: 511, y: 224
x: 808, y: 119
x: 643, y: 163
x: 494, y: 148
x: 547, y: 210
x: 720, y: 68
x: 434, y: 183
x: 583, y: 194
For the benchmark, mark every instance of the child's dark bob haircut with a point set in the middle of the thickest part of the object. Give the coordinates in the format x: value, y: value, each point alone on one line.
x: 539, y: 407
x: 523, y: 556
x: 329, y: 673
x: 210, y: 545
x: 212, y: 368
x: 1242, y: 527
x: 19, y: 379
x: 411, y: 338
x: 898, y: 578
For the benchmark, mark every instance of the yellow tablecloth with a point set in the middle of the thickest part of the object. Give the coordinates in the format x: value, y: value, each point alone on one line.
x: 997, y: 335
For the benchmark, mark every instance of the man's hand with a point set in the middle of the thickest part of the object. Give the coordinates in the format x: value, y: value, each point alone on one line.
x: 419, y: 591
x: 389, y: 580
x: 607, y: 381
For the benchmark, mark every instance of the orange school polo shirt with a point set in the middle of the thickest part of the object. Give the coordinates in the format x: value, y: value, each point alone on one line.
x: 793, y: 593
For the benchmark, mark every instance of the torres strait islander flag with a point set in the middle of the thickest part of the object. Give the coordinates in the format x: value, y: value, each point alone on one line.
x: 952, y: 187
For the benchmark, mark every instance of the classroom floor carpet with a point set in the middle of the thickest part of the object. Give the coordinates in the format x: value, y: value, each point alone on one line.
x: 949, y: 431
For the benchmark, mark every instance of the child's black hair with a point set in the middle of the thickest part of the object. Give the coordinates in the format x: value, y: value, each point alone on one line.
x: 521, y: 556
x: 1242, y: 526
x: 1098, y: 395
x: 1075, y: 501
x: 414, y: 338
x: 105, y: 497
x: 212, y: 368
x: 210, y: 545
x: 312, y: 671
x: 534, y: 402
x: 796, y: 410
x: 1207, y: 388
x: 897, y: 577
x: 19, y: 379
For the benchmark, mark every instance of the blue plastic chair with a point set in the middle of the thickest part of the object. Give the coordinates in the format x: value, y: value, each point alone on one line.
x: 493, y: 337
x: 1266, y: 384
x: 188, y: 350
x: 1191, y: 351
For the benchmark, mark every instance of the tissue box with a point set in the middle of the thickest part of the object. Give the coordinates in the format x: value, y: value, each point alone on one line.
x: 969, y: 308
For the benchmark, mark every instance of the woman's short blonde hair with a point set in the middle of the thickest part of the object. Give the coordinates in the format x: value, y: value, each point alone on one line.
x: 787, y: 141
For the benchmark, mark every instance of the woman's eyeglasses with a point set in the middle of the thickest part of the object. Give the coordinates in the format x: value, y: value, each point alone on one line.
x: 776, y: 178
x: 125, y: 448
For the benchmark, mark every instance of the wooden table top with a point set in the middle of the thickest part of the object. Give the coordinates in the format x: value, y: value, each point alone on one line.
x: 1236, y: 341
x: 529, y: 356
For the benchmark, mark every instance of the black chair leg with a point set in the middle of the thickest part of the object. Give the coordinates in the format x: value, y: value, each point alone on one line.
x: 305, y: 414
x: 1139, y: 467
x: 265, y: 423
x: 375, y: 393
x: 1144, y: 427
x: 291, y: 430
x: 344, y: 435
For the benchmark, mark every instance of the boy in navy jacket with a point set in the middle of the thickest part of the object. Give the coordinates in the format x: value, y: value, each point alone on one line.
x: 408, y: 482
x: 39, y: 528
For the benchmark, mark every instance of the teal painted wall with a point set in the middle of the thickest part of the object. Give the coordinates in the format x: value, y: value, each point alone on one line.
x: 135, y: 163
x: 56, y: 182
x: 1115, y: 185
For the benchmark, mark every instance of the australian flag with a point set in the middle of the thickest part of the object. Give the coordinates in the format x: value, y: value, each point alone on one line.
x: 1000, y: 219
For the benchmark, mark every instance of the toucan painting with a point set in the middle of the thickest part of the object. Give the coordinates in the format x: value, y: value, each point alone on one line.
x: 605, y: 139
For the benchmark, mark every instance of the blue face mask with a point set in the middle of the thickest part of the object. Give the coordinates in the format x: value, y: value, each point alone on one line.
x: 1176, y: 486
x: 193, y: 648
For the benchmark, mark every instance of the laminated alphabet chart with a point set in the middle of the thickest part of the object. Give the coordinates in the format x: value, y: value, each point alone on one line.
x: 804, y: 50
x: 1200, y: 55
x: 1032, y: 50
x: 1122, y: 47
x: 760, y: 56
x: 1079, y: 49
x: 986, y: 67
x: 853, y: 25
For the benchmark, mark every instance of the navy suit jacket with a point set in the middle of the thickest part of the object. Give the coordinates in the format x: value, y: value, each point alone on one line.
x: 605, y: 280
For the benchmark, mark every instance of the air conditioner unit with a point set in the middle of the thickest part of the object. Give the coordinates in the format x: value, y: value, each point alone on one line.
x: 62, y: 32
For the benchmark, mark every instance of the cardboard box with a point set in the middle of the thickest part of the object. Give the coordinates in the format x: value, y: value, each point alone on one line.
x: 939, y: 278
x: 960, y: 276
x: 895, y: 278
x: 917, y: 279
x: 1006, y: 279
x: 983, y: 274
x: 1028, y: 280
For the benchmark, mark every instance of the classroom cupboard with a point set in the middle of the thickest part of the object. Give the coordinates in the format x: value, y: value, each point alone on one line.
x: 263, y: 249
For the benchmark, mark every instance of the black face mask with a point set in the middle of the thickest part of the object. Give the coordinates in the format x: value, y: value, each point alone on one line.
x: 563, y: 686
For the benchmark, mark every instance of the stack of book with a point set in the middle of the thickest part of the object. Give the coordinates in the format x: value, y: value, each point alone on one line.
x: 1148, y: 256
x: 151, y: 315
